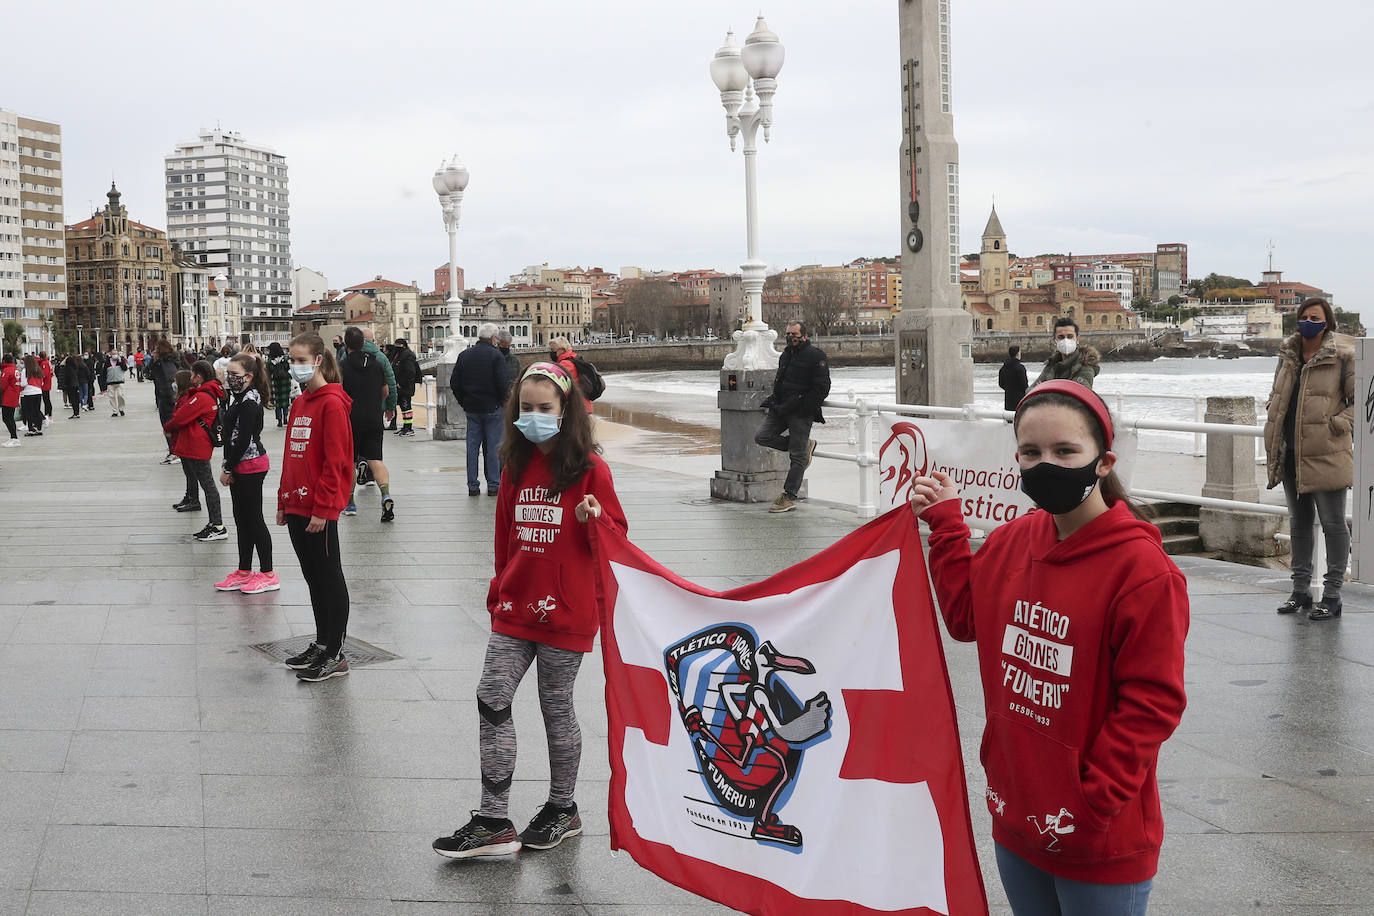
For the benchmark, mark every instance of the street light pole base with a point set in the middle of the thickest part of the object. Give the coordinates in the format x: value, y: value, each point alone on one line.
x: 753, y: 350
x: 452, y: 347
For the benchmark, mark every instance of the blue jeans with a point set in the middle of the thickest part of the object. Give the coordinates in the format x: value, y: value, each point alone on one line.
x: 1033, y: 892
x: 484, y: 434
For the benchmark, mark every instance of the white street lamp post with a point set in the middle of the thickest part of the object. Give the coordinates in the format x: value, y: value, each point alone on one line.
x: 79, y: 347
x: 450, y: 181
x: 222, y: 286
x: 747, y: 80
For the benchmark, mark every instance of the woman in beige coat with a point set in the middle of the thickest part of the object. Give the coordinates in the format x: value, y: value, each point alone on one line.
x: 1308, y: 441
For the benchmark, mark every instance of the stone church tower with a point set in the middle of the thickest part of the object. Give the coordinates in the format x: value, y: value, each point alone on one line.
x: 993, y: 261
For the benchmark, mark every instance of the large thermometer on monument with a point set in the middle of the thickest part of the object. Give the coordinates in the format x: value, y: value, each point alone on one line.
x: 915, y: 239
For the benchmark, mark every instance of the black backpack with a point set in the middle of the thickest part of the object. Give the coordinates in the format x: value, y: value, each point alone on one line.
x: 588, y: 379
x: 215, y: 430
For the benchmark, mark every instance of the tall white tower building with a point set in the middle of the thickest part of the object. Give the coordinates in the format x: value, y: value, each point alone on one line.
x: 228, y: 208
x: 33, y: 272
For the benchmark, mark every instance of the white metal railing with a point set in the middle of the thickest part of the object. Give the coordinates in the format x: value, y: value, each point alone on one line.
x: 430, y: 403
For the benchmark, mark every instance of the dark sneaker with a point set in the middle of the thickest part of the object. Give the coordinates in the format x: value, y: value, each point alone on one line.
x: 551, y: 826
x: 407, y: 433
x: 360, y: 472
x: 324, y: 669
x: 212, y: 533
x: 350, y: 509
x: 479, y: 837
x: 312, y: 655
x: 187, y: 506
x: 388, y: 509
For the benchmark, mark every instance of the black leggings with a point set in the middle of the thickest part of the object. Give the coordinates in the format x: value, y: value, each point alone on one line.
x: 198, y: 473
x: 32, y: 406
x: 245, y: 490
x: 47, y: 403
x: 74, y: 400
x: 322, y: 568
x: 8, y: 414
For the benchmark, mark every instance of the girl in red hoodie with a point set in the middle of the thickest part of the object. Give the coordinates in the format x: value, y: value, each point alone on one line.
x: 316, y: 484
x: 189, y: 429
x: 1080, y: 618
x: 542, y: 602
x: 10, y: 387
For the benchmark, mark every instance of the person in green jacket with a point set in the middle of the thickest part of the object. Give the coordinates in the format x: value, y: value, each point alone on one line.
x: 1070, y: 361
x: 370, y: 346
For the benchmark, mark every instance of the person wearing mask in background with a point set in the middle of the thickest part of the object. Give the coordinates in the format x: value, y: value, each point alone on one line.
x: 163, y: 368
x: 1072, y: 361
x: 45, y: 367
x: 364, y: 382
x: 190, y: 432
x: 139, y: 358
x: 406, y: 368
x: 562, y: 353
x: 802, y: 382
x: 503, y: 343
x: 279, y: 373
x: 1011, y: 378
x: 10, y: 388
x: 222, y: 362
x: 102, y: 362
x: 69, y: 380
x: 245, y: 467
x: 339, y: 350
x: 479, y: 384
x: 31, y: 396
x: 115, y: 376
x: 1309, y: 445
x: 93, y: 372
x: 316, y: 480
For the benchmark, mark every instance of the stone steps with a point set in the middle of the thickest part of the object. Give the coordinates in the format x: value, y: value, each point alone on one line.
x: 1178, y: 524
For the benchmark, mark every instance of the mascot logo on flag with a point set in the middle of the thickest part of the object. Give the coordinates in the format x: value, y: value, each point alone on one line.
x: 748, y: 729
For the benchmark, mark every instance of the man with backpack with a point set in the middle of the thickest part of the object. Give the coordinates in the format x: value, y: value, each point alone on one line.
x: 365, y: 381
x: 480, y: 383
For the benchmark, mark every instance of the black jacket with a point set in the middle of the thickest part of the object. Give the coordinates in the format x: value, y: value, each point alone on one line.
x: 802, y: 382
x: 480, y: 378
x: 242, y: 428
x: 407, y: 369
x: 363, y: 381
x: 163, y: 372
x: 1012, y: 379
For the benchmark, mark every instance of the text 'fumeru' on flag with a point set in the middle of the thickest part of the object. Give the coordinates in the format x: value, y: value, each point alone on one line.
x: 789, y: 746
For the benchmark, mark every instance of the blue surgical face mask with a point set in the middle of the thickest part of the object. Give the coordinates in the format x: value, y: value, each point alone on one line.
x: 538, y: 427
x: 302, y: 374
x: 1309, y: 329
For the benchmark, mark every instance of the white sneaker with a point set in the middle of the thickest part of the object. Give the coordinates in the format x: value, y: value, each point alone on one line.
x: 13, y: 443
x: 47, y: 421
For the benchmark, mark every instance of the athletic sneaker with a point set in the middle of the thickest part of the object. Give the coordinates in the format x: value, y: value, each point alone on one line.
x: 783, y: 503
x: 388, y: 509
x: 551, y: 826
x: 312, y: 654
x: 324, y: 669
x: 261, y: 582
x: 187, y: 505
x: 212, y: 533
x: 234, y: 581
x: 362, y: 473
x: 481, y: 836
x: 13, y: 443
x: 170, y: 459
x: 350, y: 509
x: 408, y: 432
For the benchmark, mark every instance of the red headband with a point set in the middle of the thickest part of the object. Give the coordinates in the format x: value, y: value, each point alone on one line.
x: 1079, y: 392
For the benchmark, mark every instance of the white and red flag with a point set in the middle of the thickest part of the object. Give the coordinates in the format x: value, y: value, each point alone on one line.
x: 789, y: 746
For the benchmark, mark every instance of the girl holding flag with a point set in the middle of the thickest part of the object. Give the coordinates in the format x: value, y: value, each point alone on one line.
x: 1080, y: 619
x: 542, y: 602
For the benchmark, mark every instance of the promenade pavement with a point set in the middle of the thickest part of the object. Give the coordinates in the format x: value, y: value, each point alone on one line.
x: 152, y: 762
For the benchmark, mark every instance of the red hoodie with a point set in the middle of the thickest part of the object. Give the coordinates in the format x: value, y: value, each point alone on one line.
x: 190, y: 439
x: 544, y: 589
x: 46, y: 368
x: 317, y: 468
x: 10, y: 386
x: 1080, y: 645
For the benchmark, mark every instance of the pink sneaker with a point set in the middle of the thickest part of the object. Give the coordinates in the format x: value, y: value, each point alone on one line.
x: 234, y: 581
x: 261, y: 582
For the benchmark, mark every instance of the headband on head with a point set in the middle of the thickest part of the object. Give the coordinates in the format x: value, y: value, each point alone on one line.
x: 553, y: 372
x: 1079, y: 392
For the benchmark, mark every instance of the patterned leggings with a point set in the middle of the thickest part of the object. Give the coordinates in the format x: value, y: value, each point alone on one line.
x: 508, y: 658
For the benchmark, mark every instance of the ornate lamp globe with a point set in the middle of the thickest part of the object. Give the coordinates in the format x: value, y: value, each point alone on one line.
x: 763, y: 54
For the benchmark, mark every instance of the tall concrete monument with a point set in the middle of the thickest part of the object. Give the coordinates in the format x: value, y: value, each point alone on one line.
x: 934, y: 334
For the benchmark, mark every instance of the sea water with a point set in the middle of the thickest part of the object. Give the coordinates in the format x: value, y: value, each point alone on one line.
x: 680, y: 405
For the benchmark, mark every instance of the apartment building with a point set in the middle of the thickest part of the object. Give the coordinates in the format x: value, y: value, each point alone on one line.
x: 33, y: 278
x: 228, y: 209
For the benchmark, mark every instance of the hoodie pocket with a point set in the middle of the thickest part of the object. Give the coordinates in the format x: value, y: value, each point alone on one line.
x: 532, y: 593
x: 1036, y: 793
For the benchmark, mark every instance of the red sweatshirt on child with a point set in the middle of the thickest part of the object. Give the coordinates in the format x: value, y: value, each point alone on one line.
x: 194, y: 412
x: 544, y: 589
x: 1080, y: 646
x: 317, y: 469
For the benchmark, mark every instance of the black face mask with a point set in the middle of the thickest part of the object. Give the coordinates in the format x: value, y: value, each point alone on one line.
x: 1058, y: 489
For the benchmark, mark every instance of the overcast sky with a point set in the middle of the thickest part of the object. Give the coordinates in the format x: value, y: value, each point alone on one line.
x: 595, y: 136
